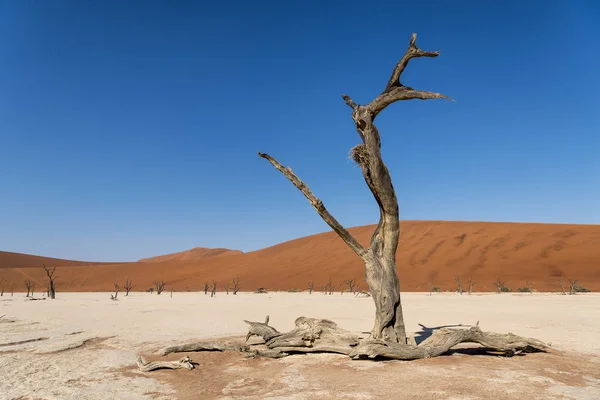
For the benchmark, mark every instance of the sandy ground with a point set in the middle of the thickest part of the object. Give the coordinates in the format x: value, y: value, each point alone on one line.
x: 84, y: 346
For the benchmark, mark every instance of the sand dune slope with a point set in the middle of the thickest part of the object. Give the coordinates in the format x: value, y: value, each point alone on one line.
x: 429, y: 251
x: 193, y: 254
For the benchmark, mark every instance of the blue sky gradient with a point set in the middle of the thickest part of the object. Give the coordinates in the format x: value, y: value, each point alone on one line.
x: 131, y: 128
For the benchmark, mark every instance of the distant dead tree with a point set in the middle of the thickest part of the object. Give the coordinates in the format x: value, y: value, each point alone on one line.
x: 171, y: 292
x: 562, y: 285
x: 51, y: 278
x: 150, y: 290
x: 530, y: 286
x: 128, y: 286
x: 342, y: 285
x: 205, y: 287
x: 29, y: 286
x: 329, y: 287
x: 227, y: 288
x: 351, y: 285
x: 214, y: 289
x: 471, y: 284
x: 572, y: 285
x: 1, y: 289
x: 458, y: 284
x: 114, y: 296
x: 311, y: 285
x: 499, y: 284
x: 236, y: 285
x: 159, y: 286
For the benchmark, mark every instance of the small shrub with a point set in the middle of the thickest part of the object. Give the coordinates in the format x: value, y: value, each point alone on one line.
x: 505, y: 289
x: 294, y: 291
x: 261, y: 290
x: 436, y: 289
x: 581, y: 289
x: 523, y: 290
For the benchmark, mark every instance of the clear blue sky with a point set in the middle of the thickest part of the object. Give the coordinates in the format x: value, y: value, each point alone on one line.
x: 130, y: 128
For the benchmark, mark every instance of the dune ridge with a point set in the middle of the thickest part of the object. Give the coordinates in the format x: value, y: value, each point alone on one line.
x: 429, y: 251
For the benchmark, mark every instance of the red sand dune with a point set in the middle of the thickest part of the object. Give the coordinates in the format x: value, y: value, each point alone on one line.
x: 193, y: 254
x: 429, y: 251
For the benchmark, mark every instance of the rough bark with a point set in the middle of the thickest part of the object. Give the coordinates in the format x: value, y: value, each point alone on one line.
x: 313, y: 335
x: 185, y: 362
x: 380, y: 257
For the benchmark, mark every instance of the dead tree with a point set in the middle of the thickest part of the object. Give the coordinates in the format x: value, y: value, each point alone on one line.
x: 29, y: 286
x: 471, y: 284
x: 159, y: 286
x: 1, y: 290
x: 114, y: 296
x: 128, y: 286
x: 311, y: 285
x: 562, y: 285
x: 214, y: 289
x: 51, y: 278
x: 572, y: 284
x: 388, y: 336
x: 205, y: 287
x: 530, y: 286
x: 351, y: 285
x: 227, y: 289
x: 236, y: 285
x: 499, y: 284
x: 329, y: 287
x: 458, y: 284
x: 171, y: 292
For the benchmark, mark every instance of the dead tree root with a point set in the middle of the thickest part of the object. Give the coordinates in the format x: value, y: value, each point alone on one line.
x: 324, y: 336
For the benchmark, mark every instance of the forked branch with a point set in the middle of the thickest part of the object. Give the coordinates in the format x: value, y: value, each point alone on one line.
x: 318, y: 205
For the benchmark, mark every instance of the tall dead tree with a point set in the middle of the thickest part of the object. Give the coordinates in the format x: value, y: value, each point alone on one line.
x: 572, y: 284
x: 380, y: 257
x: 116, y: 295
x: 351, y: 285
x: 499, y: 285
x: 205, y: 287
x: 530, y: 286
x: 329, y: 287
x: 236, y: 285
x: 562, y: 285
x: 458, y: 284
x: 29, y: 286
x: 127, y: 286
x: 51, y: 278
x: 388, y: 336
x: 214, y: 289
x: 159, y: 286
x: 471, y: 284
x: 311, y: 285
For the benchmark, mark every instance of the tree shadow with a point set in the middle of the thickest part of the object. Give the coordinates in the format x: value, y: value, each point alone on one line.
x: 426, y: 332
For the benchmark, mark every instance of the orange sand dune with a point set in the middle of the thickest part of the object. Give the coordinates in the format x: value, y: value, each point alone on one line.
x: 193, y: 254
x: 429, y: 251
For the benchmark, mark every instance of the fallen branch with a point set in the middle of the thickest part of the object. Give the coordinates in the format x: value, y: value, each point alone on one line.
x: 185, y: 362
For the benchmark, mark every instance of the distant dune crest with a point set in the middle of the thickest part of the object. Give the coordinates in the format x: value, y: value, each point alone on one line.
x: 196, y: 253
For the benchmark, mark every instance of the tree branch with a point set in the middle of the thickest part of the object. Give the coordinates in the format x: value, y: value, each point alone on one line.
x: 318, y: 205
x: 412, y: 52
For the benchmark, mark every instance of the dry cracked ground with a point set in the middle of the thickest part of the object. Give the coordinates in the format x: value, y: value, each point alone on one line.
x: 84, y: 347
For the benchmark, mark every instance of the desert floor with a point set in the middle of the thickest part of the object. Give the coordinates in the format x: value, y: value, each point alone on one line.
x: 84, y: 346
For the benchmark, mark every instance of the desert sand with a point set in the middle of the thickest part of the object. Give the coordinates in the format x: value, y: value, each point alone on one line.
x: 84, y: 346
x: 429, y: 251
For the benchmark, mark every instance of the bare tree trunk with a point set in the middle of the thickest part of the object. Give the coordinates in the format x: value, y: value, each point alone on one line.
x: 562, y: 285
x: 51, y: 278
x: 236, y: 285
x: 530, y: 285
x: 311, y: 285
x: 380, y: 257
x: 471, y: 284
x: 128, y: 286
x: 458, y: 284
x: 572, y: 283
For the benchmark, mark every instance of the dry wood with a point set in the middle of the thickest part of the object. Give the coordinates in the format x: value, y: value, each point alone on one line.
x: 311, y: 285
x: 29, y: 286
x: 159, y: 286
x: 114, y: 296
x: 185, y: 362
x: 51, y: 279
x: 471, y: 284
x: 199, y: 346
x: 572, y: 284
x: 236, y: 285
x: 128, y: 286
x: 388, y: 337
x: 214, y: 289
x: 458, y: 284
x: 562, y: 285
